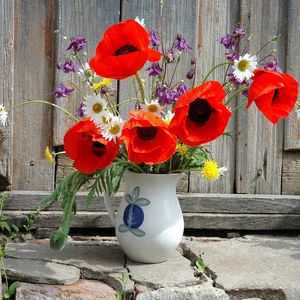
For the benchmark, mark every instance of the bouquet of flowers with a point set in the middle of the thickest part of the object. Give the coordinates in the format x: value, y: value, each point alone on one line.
x: 169, y: 125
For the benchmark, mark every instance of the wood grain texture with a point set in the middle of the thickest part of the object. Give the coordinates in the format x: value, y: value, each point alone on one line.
x: 292, y: 125
x: 33, y: 79
x: 192, y: 220
x: 260, y: 144
x: 189, y: 202
x: 216, y: 18
x: 291, y: 173
x: 6, y: 90
x: 88, y: 19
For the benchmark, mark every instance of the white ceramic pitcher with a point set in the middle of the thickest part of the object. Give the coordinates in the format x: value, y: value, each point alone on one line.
x: 149, y: 223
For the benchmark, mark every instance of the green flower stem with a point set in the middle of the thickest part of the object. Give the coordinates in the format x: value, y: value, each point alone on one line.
x: 134, y: 165
x: 82, y: 66
x: 42, y: 102
x: 3, y: 268
x: 235, y: 94
x: 185, y: 170
x: 241, y: 104
x: 215, y: 67
x: 141, y: 85
x: 174, y: 71
x: 298, y: 103
x: 128, y: 100
x: 59, y: 153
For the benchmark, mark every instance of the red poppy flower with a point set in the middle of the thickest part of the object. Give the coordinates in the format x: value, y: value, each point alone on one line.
x: 275, y: 94
x: 123, y: 51
x: 200, y: 116
x: 84, y: 144
x: 148, y: 139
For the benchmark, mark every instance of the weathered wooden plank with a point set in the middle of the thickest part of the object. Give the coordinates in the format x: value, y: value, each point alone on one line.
x: 88, y: 19
x: 292, y: 125
x: 291, y: 173
x: 192, y: 221
x: 260, y: 144
x: 33, y: 79
x: 198, y: 203
x: 6, y: 89
x: 216, y: 18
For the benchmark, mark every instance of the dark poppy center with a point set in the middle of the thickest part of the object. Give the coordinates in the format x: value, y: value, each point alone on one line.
x: 125, y: 50
x: 147, y: 133
x: 98, y: 148
x: 200, y: 111
x: 276, y: 93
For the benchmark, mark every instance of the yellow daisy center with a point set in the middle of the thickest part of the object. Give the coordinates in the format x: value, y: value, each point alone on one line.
x: 243, y: 65
x: 115, y: 129
x: 153, y: 108
x: 210, y: 170
x: 97, y: 108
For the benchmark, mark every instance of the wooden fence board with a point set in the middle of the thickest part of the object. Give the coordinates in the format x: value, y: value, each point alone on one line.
x: 33, y: 79
x: 216, y: 18
x: 292, y: 125
x: 291, y: 173
x: 6, y: 90
x: 88, y: 19
x: 189, y: 202
x: 260, y: 144
x: 191, y: 220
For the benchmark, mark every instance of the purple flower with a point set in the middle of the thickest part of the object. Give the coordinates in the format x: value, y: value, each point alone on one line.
x: 170, y: 57
x: 77, y: 44
x: 193, y: 61
x: 190, y: 74
x: 155, y: 41
x: 228, y: 42
x: 69, y: 66
x: 272, y: 65
x: 236, y: 81
x: 181, y: 44
x: 79, y: 112
x: 155, y: 69
x: 181, y: 89
x: 165, y: 96
x: 62, y: 91
x: 232, y: 56
x: 239, y: 32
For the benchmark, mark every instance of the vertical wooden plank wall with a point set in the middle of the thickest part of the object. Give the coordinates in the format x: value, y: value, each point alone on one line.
x: 6, y: 89
x: 260, y: 144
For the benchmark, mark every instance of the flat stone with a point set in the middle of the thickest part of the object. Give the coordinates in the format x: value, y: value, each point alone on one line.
x: 177, y: 271
x: 266, y: 267
x: 81, y: 290
x: 40, y: 271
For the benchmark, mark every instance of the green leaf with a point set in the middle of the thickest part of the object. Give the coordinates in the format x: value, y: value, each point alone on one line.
x: 142, y: 202
x: 58, y: 240
x: 123, y: 228
x: 135, y: 193
x: 138, y: 232
x: 13, y: 287
x: 129, y: 199
x: 200, y: 264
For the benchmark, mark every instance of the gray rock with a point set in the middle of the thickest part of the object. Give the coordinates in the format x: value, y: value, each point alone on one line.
x: 41, y: 271
x: 81, y: 290
x: 177, y: 271
x: 265, y: 267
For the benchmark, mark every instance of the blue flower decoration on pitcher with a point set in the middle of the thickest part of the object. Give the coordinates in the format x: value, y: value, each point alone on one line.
x: 133, y: 216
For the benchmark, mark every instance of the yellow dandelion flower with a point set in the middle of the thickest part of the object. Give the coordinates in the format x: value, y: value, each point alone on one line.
x: 49, y: 156
x: 210, y: 170
x: 183, y: 150
x: 99, y: 85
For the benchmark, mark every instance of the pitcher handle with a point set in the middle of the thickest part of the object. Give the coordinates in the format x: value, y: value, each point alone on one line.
x: 109, y: 208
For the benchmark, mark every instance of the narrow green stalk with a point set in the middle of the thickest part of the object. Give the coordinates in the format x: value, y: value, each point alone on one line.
x: 237, y: 107
x: 215, y: 67
x: 175, y: 68
x: 110, y: 103
x: 3, y: 268
x: 141, y: 85
x: 128, y: 100
x: 235, y: 94
x: 42, y: 102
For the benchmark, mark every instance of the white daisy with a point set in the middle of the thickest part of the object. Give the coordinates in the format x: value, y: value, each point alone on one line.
x: 3, y: 115
x: 113, y: 129
x: 244, y: 67
x: 297, y: 113
x: 153, y: 106
x: 168, y: 117
x: 222, y: 171
x: 95, y: 107
x: 140, y: 21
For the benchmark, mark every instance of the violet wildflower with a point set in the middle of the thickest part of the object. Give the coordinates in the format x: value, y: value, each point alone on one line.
x: 190, y: 74
x: 62, y: 91
x: 272, y: 65
x: 236, y: 81
x: 155, y: 41
x: 103, y: 89
x: 239, y: 32
x: 170, y: 56
x: 155, y: 69
x: 79, y: 111
x: 181, y: 44
x: 181, y: 89
x: 68, y: 66
x: 232, y: 56
x: 228, y: 42
x: 165, y: 96
x: 77, y: 44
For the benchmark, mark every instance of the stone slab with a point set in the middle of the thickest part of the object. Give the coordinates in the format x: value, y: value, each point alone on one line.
x: 266, y: 267
x: 177, y: 271
x: 81, y: 290
x: 40, y: 271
